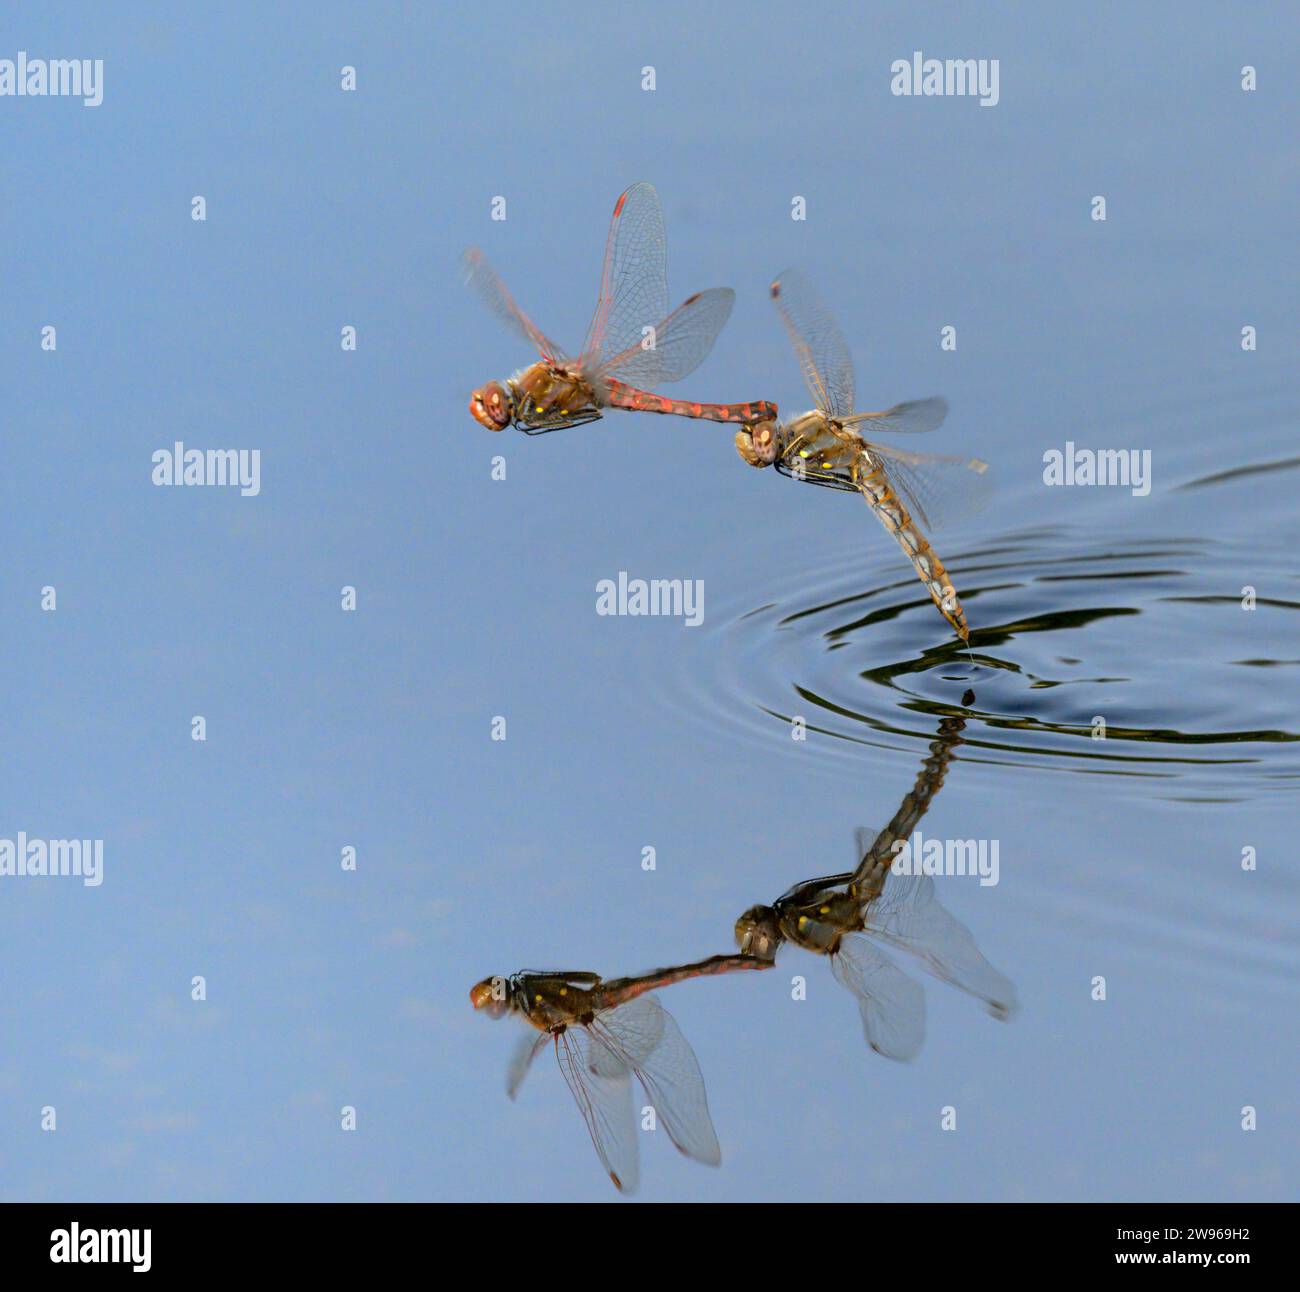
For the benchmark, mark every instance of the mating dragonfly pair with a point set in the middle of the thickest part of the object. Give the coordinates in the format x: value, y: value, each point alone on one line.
x: 635, y: 344
x: 604, y: 1031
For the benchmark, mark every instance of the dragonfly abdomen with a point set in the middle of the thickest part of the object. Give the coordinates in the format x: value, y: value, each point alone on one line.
x: 617, y: 991
x: 643, y: 401
x: 925, y: 560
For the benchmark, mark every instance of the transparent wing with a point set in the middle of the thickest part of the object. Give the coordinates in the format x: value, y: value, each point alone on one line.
x: 818, y: 344
x: 634, y: 277
x: 935, y: 488
x: 909, y: 418
x: 526, y: 1050
x: 487, y: 283
x: 646, y: 1038
x: 874, y: 853
x: 677, y: 346
x: 907, y: 915
x: 864, y: 840
x: 891, y: 1004
x: 602, y: 1087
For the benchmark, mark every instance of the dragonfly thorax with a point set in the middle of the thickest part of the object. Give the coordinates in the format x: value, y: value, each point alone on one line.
x: 814, y: 437
x: 811, y: 447
x: 546, y: 389
x: 810, y: 428
x: 549, y: 1001
x: 819, y: 924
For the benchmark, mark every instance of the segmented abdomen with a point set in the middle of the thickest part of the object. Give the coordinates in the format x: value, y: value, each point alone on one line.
x: 642, y: 401
x: 618, y: 990
x: 925, y: 560
x: 869, y: 878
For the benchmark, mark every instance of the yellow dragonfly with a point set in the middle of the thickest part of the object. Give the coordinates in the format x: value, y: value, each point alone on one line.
x: 843, y: 917
x: 825, y: 446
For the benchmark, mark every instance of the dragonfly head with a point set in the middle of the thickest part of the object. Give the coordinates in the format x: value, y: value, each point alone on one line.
x: 758, y: 445
x: 492, y: 406
x: 758, y: 933
x: 491, y: 996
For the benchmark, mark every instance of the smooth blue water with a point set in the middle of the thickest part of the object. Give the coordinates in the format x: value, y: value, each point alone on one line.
x: 477, y: 597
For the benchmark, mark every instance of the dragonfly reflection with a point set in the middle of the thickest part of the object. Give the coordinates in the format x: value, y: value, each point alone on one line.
x: 603, y: 1031
x: 843, y: 916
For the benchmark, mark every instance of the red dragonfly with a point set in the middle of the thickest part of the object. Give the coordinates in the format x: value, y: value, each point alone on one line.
x: 602, y: 1033
x: 633, y: 342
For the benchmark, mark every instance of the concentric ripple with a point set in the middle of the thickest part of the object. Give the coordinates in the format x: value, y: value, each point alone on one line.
x: 1130, y: 658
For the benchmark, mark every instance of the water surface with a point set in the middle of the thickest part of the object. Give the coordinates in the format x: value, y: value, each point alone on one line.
x: 1119, y: 858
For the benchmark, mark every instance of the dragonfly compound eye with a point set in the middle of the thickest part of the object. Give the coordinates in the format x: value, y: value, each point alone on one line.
x: 490, y: 407
x: 489, y: 996
x: 745, y: 447
x: 765, y: 447
x: 757, y: 934
x: 757, y: 446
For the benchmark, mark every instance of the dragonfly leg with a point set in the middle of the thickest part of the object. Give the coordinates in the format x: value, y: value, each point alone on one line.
x: 555, y: 421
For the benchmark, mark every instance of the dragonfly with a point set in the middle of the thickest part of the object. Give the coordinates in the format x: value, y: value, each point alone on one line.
x: 826, y: 446
x: 603, y: 1032
x: 844, y: 916
x: 633, y: 342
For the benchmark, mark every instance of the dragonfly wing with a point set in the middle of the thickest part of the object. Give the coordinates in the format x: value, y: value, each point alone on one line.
x: 864, y: 840
x: 891, y: 1004
x: 874, y: 856
x: 936, y: 488
x: 526, y: 1050
x: 909, y: 418
x: 818, y: 343
x: 907, y: 915
x: 678, y: 345
x: 602, y: 1087
x: 634, y: 277
x: 646, y: 1037
x: 487, y: 283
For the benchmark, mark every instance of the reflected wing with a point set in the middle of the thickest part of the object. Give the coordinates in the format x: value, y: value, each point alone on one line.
x: 634, y: 277
x: 677, y: 346
x: 891, y: 1004
x: 907, y: 915
x: 873, y: 857
x: 646, y: 1037
x: 864, y: 840
x: 493, y: 293
x: 935, y: 488
x: 526, y: 1050
x: 602, y: 1086
x: 909, y: 418
x: 818, y: 343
